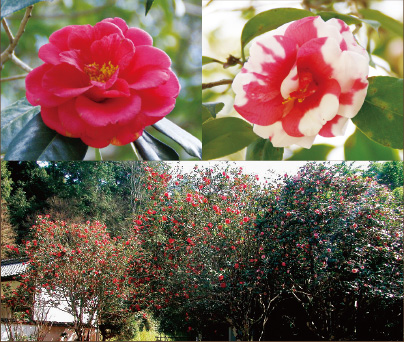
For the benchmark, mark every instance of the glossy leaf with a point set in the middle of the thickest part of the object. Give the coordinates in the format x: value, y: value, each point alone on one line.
x: 381, y: 116
x: 38, y: 142
x: 148, y: 5
x: 348, y: 19
x: 151, y: 148
x: 191, y: 144
x: 386, y: 22
x: 10, y: 6
x: 359, y: 147
x: 269, y: 20
x: 13, y: 120
x: 316, y: 152
x: 262, y: 149
x: 225, y: 136
x: 207, y: 60
x: 210, y: 109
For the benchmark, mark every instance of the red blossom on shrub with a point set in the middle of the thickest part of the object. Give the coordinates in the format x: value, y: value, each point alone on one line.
x: 103, y: 84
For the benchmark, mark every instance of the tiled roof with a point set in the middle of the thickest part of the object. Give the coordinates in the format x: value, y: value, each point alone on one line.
x: 13, y: 267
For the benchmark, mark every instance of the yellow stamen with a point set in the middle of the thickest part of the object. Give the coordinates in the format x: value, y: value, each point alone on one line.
x: 98, y: 74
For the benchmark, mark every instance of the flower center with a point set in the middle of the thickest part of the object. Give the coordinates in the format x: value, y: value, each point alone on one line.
x: 307, y: 87
x: 98, y: 74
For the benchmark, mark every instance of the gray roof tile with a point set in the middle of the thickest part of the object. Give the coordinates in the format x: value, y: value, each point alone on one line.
x: 13, y: 267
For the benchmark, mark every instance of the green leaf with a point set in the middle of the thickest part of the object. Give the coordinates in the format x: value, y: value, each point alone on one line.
x: 387, y: 22
x: 381, y: 116
x: 316, y: 152
x: 38, y: 142
x: 191, y: 144
x: 13, y: 120
x: 262, y: 149
x: 10, y: 6
x: 210, y: 109
x: 148, y: 5
x: 359, y: 147
x: 221, y: 137
x: 348, y: 19
x: 207, y: 60
x: 151, y: 148
x: 267, y: 21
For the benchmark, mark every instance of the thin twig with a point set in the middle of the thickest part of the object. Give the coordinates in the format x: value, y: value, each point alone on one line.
x: 20, y: 63
x: 12, y: 78
x: 215, y: 84
x: 8, y: 53
x: 8, y: 31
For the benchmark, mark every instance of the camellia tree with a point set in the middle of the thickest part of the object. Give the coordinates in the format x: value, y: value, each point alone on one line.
x: 200, y: 255
x: 336, y: 241
x: 79, y: 269
x: 306, y: 78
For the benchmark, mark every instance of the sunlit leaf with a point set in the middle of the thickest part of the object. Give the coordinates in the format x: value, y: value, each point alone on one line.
x: 191, y: 144
x: 348, y: 19
x: 38, y: 142
x: 359, y: 147
x: 224, y: 136
x: 262, y: 149
x: 151, y: 148
x: 316, y: 152
x: 13, y: 120
x: 207, y: 60
x: 386, y: 22
x: 381, y: 116
x: 148, y: 5
x: 10, y: 6
x: 210, y: 109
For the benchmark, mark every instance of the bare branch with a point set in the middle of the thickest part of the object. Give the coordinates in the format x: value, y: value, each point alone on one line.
x: 8, y: 53
x: 20, y: 63
x: 13, y: 78
x: 8, y: 31
x: 215, y: 84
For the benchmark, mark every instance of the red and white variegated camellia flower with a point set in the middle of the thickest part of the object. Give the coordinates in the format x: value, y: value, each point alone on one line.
x: 307, y: 81
x: 103, y: 84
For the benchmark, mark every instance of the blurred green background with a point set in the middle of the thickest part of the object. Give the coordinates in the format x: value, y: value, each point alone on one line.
x: 175, y: 26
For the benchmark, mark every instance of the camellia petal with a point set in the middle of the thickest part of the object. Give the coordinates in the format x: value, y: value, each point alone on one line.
x: 149, y: 78
x: 138, y: 36
x: 36, y: 94
x: 110, y: 111
x: 70, y: 119
x: 308, y: 81
x: 65, y: 80
x: 51, y: 119
x: 103, y: 83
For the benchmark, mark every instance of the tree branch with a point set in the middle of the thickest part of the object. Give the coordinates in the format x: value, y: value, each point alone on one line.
x: 8, y: 53
x: 8, y: 31
x: 215, y: 84
x: 20, y: 63
x: 13, y: 78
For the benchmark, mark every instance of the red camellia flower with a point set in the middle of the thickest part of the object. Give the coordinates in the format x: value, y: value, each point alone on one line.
x: 103, y: 84
x: 306, y: 78
x: 223, y: 285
